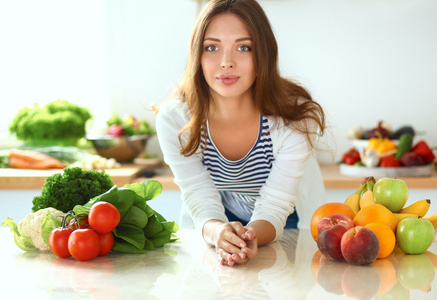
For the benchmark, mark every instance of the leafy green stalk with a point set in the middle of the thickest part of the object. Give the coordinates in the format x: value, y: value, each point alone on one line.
x: 141, y: 228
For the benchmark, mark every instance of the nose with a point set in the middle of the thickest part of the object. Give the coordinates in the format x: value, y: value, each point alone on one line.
x: 227, y: 61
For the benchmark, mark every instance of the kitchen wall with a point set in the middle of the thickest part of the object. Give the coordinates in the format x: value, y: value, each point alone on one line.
x: 363, y: 60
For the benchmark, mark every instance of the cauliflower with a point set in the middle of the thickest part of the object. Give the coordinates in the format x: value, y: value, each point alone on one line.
x: 31, y: 226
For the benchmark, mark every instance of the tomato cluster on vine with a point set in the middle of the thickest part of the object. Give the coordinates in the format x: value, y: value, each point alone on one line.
x: 86, y: 236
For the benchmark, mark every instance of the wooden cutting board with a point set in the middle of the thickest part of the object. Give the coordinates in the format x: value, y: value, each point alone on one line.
x: 26, y: 179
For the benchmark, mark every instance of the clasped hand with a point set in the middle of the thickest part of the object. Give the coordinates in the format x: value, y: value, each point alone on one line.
x: 234, y: 243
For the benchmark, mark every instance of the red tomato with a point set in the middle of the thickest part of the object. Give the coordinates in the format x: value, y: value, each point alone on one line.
x: 83, y: 223
x: 106, y: 241
x: 58, y: 241
x: 103, y: 217
x: 84, y: 244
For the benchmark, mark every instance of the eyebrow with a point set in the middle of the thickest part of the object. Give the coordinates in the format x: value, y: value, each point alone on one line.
x: 218, y: 40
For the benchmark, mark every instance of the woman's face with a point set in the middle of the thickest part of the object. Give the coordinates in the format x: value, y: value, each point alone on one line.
x: 227, y: 59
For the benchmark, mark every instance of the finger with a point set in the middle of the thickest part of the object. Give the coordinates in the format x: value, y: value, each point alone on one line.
x: 229, y: 247
x: 250, y: 234
x: 224, y: 257
x: 239, y: 229
x: 251, y: 250
x: 239, y: 257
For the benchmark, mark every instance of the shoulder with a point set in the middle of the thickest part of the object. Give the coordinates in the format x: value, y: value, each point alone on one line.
x: 173, y: 110
x: 173, y: 107
x: 283, y: 135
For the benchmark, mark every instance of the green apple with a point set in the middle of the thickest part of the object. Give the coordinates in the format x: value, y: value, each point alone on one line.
x: 414, y: 235
x: 415, y: 271
x: 391, y: 192
x: 398, y: 292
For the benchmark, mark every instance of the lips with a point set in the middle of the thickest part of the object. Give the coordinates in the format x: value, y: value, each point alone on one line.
x: 228, y: 79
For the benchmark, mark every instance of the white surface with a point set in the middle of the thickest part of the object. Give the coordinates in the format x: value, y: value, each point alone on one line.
x: 184, y: 270
x: 358, y: 171
x: 187, y: 269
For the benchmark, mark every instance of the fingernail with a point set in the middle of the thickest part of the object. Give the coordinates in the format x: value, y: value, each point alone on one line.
x: 242, y: 245
x: 241, y: 255
x: 243, y: 235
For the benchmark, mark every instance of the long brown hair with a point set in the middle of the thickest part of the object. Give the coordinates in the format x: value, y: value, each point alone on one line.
x: 274, y: 95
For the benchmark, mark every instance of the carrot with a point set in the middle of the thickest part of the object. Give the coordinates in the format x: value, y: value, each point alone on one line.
x: 28, y: 155
x: 28, y: 159
x: 25, y: 164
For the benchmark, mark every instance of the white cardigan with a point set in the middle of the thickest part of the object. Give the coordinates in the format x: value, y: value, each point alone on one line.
x: 294, y: 181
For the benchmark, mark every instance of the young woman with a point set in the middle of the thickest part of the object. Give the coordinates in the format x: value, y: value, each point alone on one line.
x: 238, y: 136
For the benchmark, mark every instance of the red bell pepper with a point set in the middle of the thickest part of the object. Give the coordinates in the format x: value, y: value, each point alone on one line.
x: 424, y: 151
x: 389, y: 161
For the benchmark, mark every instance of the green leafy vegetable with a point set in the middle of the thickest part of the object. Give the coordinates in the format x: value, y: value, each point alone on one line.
x: 57, y: 120
x: 23, y: 242
x: 141, y: 228
x: 75, y: 186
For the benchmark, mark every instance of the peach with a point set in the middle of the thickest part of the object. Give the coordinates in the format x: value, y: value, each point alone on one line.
x: 359, y: 246
x: 329, y: 242
x: 332, y: 220
x: 330, y: 276
x: 360, y: 282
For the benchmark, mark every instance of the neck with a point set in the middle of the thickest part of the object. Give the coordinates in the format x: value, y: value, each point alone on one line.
x: 233, y: 108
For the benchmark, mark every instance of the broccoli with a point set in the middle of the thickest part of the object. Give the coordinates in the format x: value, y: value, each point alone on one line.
x: 75, y: 186
x: 57, y: 120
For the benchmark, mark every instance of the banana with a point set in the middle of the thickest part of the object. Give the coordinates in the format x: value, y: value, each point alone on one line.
x: 419, y: 208
x: 353, y: 201
x: 432, y: 218
x: 367, y: 197
x: 426, y: 289
x: 400, y: 216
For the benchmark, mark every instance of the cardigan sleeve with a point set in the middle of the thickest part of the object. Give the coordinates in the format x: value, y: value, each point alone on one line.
x: 279, y: 193
x: 199, y: 194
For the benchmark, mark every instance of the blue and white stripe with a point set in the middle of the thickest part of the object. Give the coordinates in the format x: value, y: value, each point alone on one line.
x: 239, y: 182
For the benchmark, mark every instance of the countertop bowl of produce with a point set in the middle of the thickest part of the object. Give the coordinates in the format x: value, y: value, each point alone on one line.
x: 122, y: 148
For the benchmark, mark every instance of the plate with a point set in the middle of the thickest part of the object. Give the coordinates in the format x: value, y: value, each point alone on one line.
x: 356, y: 171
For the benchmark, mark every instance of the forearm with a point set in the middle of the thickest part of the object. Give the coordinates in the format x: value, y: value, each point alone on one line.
x: 209, y: 229
x: 265, y: 231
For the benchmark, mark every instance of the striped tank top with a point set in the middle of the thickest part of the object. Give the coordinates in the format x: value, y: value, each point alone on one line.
x: 239, y: 182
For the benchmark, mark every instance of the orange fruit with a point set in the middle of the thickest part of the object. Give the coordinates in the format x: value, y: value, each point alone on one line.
x: 376, y: 213
x: 315, y: 264
x: 326, y: 210
x: 387, y: 275
x: 386, y: 238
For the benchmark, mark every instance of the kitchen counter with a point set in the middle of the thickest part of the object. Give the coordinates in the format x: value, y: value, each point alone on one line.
x: 188, y: 269
x: 19, y: 179
x: 25, y: 179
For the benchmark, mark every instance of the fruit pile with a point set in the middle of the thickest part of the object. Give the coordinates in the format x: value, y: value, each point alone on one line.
x: 383, y: 151
x: 371, y: 222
